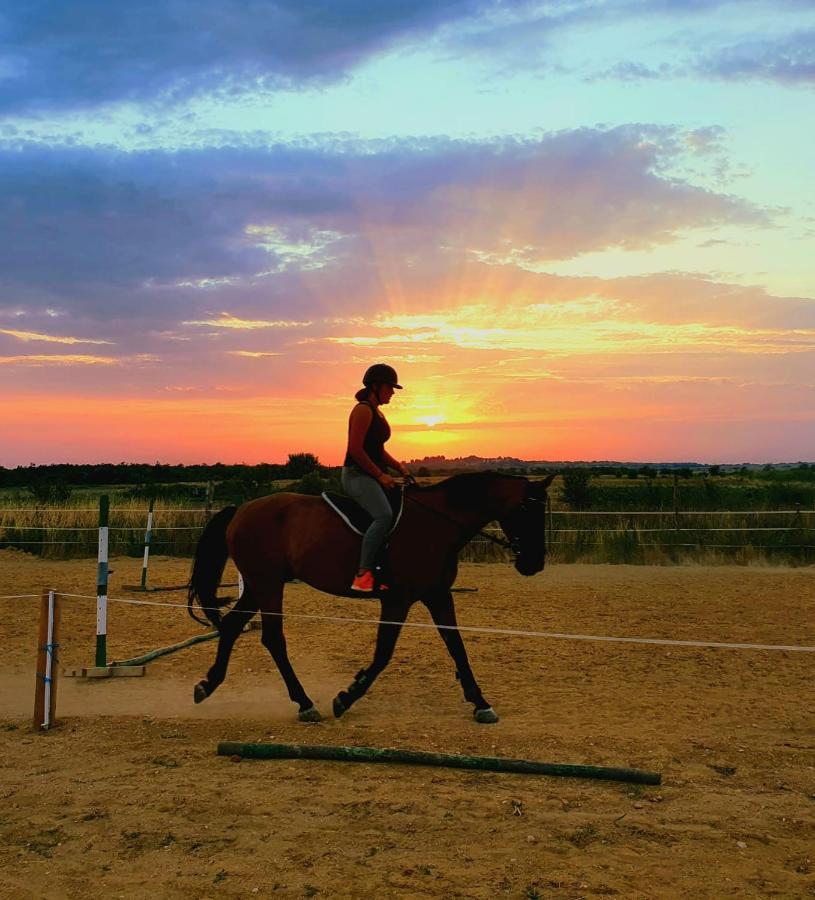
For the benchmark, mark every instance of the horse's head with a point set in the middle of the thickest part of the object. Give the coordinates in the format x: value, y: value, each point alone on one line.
x: 525, y: 528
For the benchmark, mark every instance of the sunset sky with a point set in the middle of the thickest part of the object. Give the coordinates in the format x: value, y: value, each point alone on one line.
x: 579, y: 229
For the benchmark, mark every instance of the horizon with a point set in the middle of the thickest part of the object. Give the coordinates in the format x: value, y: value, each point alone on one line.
x: 582, y: 229
x: 675, y: 463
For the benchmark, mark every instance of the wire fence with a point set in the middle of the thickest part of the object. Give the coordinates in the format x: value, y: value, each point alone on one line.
x: 639, y: 537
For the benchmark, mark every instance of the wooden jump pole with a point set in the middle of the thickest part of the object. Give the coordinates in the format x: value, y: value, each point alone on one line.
x: 102, y: 583
x: 45, y: 689
x: 100, y: 668
x: 423, y: 758
x: 148, y: 538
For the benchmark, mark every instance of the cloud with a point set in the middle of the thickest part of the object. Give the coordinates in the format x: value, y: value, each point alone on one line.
x: 225, y: 267
x: 61, y: 57
x: 213, y: 227
x: 64, y: 359
x: 49, y: 338
x: 788, y: 60
x: 91, y: 52
x: 634, y: 72
x: 225, y: 320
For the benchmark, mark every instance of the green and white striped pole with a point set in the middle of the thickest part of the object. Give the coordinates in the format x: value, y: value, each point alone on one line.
x: 148, y: 538
x: 102, y: 584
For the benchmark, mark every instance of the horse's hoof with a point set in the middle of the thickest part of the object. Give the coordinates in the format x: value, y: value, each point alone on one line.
x: 312, y: 714
x: 486, y: 716
x: 339, y: 707
x: 200, y: 692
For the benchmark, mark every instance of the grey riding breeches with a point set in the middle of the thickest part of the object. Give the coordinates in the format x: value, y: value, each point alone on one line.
x: 370, y: 496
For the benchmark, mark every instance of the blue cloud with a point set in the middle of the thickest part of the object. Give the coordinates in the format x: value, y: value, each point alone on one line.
x: 86, y: 222
x: 89, y: 52
x: 786, y: 60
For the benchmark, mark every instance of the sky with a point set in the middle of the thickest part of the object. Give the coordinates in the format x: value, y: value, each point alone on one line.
x: 578, y: 229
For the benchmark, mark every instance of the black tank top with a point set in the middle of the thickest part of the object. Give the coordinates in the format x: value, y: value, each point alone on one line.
x: 374, y: 444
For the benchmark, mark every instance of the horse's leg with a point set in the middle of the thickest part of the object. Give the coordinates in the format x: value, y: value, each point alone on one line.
x: 230, y: 628
x: 394, y: 613
x: 274, y: 641
x: 443, y: 612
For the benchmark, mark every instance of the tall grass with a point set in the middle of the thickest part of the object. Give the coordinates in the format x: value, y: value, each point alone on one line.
x: 69, y: 530
x: 741, y: 537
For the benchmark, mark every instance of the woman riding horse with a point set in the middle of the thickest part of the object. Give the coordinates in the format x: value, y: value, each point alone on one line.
x: 364, y: 473
x: 285, y: 536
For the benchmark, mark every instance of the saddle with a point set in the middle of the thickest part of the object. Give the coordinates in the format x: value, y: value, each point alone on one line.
x: 355, y: 517
x: 358, y: 520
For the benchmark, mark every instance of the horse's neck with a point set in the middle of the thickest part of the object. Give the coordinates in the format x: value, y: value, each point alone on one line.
x: 470, y: 518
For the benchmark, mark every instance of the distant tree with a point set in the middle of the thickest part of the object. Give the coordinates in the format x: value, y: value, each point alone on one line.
x: 50, y: 491
x: 300, y: 464
x: 423, y: 472
x: 576, y: 488
x: 685, y: 472
x: 312, y: 483
x: 714, y: 470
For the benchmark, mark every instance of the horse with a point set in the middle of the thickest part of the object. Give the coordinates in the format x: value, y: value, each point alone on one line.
x: 285, y: 536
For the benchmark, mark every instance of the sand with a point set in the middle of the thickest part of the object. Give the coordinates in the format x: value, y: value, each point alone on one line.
x: 127, y: 798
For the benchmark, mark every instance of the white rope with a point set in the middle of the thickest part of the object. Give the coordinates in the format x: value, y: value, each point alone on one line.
x: 628, y: 527
x: 41, y: 509
x: 14, y: 542
x: 19, y: 596
x: 83, y: 509
x: 667, y: 530
x: 684, y: 512
x: 663, y: 642
x: 554, y: 512
x: 49, y: 528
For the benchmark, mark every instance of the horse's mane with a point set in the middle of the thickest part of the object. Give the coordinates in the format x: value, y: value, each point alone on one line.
x: 465, y: 490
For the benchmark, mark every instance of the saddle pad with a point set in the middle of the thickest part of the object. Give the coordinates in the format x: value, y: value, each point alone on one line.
x: 355, y: 517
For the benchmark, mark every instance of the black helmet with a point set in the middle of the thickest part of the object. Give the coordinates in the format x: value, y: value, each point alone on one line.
x: 381, y: 374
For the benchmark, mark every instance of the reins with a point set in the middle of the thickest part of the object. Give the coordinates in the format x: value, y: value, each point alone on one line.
x: 491, y: 537
x: 501, y: 542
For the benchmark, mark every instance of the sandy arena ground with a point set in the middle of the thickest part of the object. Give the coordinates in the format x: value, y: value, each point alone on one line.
x: 128, y: 799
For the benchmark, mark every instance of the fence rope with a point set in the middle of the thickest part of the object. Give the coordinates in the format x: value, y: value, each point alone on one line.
x: 19, y: 596
x: 554, y: 512
x: 514, y: 632
x: 628, y: 527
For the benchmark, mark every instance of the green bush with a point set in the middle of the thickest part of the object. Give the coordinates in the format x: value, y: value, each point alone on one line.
x: 576, y: 490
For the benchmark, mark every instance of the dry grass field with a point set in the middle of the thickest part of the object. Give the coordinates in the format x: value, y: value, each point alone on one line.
x: 126, y: 798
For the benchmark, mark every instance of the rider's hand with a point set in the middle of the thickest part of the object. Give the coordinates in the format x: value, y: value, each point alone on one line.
x: 386, y: 481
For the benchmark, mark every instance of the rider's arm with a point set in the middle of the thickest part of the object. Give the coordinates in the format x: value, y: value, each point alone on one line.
x: 395, y: 464
x: 360, y: 421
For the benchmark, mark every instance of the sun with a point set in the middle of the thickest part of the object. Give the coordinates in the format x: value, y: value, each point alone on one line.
x: 430, y: 421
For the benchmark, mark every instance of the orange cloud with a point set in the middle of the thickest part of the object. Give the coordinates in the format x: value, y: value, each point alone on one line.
x: 49, y: 338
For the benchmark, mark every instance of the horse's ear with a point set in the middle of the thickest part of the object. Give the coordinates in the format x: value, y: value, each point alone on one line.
x: 539, y: 488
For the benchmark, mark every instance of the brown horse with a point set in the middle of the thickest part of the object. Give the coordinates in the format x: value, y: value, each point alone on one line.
x: 285, y: 536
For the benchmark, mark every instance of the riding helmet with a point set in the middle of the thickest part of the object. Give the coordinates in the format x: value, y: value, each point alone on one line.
x: 381, y: 374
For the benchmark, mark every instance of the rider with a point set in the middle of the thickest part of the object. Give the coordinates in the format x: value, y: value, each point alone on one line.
x: 364, y: 473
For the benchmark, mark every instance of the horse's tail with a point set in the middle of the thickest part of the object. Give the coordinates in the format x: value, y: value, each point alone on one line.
x: 208, y: 564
